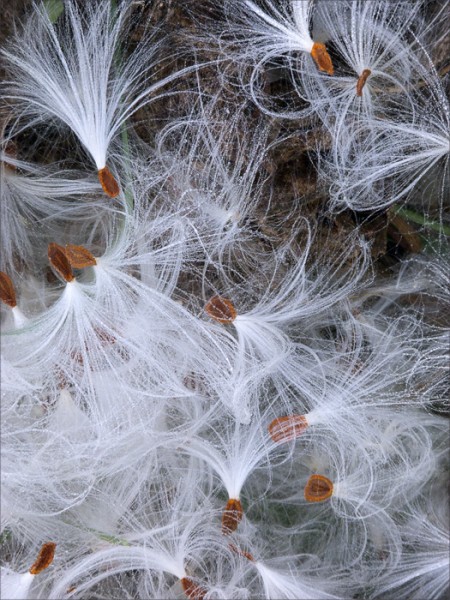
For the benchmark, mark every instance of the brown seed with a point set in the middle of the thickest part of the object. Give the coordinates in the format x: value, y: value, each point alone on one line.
x: 192, y: 590
x: 318, y: 488
x: 322, y: 58
x: 79, y: 257
x: 44, y: 559
x: 232, y: 516
x: 59, y: 261
x: 221, y: 310
x: 108, y: 182
x: 286, y: 429
x: 7, y: 292
x: 362, y: 81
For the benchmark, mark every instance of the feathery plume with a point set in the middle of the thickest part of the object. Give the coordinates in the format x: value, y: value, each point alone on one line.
x: 17, y: 586
x: 70, y: 72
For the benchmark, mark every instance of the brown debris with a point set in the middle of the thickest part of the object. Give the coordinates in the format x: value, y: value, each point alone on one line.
x: 403, y: 234
x: 105, y: 339
x: 11, y: 151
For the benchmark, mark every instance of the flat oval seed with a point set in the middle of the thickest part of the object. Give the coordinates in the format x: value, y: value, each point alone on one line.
x: 7, y: 291
x: 286, y: 429
x: 221, y: 310
x: 192, y: 590
x: 232, y: 516
x: 322, y: 58
x: 318, y: 488
x: 59, y: 261
x: 44, y: 559
x: 108, y: 182
x: 79, y: 256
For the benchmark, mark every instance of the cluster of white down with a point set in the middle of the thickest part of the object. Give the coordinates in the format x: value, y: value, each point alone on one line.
x: 188, y: 408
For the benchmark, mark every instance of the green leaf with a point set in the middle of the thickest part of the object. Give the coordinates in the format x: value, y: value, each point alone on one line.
x: 112, y: 539
x: 420, y: 219
x: 5, y: 536
x: 54, y: 9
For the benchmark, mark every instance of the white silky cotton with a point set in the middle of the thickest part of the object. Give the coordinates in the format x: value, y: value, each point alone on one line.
x: 224, y: 300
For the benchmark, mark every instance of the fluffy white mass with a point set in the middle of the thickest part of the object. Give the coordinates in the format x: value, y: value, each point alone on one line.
x: 225, y: 354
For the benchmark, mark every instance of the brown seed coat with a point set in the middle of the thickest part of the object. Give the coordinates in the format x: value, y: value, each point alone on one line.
x: 318, y: 488
x: 108, y: 182
x: 232, y: 516
x: 285, y: 429
x: 362, y: 81
x: 322, y: 58
x: 79, y: 257
x: 59, y: 261
x: 44, y: 559
x: 192, y: 590
x: 7, y: 291
x: 221, y: 310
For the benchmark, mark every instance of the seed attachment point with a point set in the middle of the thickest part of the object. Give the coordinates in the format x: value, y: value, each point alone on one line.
x: 318, y: 488
x: 7, y: 291
x: 108, y: 182
x: 286, y: 429
x: 362, y: 81
x: 221, y: 310
x: 232, y: 516
x: 59, y: 261
x: 44, y: 559
x: 322, y: 58
x: 79, y: 257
